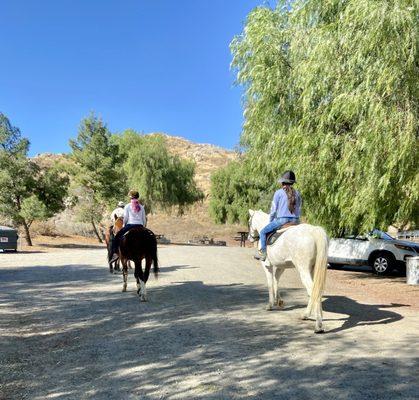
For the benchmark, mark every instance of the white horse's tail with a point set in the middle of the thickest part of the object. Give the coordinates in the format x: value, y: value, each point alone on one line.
x: 320, y: 267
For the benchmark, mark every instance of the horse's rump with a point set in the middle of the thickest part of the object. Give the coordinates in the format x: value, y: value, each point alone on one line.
x: 139, y: 243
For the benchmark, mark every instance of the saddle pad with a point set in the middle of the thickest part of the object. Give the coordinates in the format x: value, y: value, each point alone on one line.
x: 273, y: 236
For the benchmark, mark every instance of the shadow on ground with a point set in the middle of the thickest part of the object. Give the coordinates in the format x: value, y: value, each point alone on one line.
x: 360, y: 314
x: 365, y: 272
x: 78, y: 246
x: 68, y: 336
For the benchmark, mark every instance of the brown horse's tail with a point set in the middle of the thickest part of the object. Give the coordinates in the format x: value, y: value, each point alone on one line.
x: 155, y: 260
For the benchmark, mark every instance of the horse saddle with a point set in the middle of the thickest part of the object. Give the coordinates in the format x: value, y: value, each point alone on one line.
x: 274, y: 235
x: 134, y: 228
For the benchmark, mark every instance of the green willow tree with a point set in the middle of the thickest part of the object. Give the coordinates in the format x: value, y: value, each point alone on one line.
x: 98, y: 176
x: 28, y: 192
x: 233, y: 192
x: 162, y: 179
x: 332, y: 92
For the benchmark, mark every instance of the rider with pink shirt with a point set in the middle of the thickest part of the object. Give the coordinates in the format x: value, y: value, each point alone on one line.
x: 134, y: 215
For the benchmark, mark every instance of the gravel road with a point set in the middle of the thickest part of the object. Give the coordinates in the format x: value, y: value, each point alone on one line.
x: 68, y: 332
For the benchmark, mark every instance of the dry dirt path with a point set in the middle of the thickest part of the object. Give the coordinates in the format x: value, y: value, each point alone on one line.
x: 68, y: 332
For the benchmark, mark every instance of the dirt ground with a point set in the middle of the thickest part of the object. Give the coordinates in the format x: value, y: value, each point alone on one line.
x: 68, y: 332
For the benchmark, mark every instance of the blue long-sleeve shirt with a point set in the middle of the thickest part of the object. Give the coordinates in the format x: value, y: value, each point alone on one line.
x: 279, y: 208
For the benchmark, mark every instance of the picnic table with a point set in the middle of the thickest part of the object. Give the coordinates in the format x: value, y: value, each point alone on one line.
x: 242, y: 238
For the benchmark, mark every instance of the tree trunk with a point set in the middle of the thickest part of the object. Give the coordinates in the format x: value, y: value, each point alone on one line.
x: 27, y: 234
x: 96, y: 232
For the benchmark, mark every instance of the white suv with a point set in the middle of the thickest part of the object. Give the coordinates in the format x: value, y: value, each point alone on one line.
x: 377, y: 249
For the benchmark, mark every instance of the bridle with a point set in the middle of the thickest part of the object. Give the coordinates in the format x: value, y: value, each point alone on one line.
x: 254, y: 237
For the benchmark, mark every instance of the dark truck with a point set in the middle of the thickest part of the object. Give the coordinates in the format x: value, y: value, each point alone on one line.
x: 8, y: 239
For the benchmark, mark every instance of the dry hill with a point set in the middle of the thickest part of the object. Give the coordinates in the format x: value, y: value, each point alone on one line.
x: 208, y: 158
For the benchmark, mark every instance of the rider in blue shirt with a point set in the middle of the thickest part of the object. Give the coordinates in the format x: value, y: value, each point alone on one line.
x: 286, y: 207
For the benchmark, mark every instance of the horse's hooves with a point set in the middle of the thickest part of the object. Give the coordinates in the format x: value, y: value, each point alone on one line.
x: 321, y: 330
x: 305, y: 317
x: 124, y: 289
x: 269, y: 308
x: 280, y: 304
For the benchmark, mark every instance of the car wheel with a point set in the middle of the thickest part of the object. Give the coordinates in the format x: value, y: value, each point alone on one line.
x: 382, y: 264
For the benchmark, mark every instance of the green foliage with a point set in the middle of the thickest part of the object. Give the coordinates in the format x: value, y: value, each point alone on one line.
x: 162, y: 179
x: 332, y: 91
x: 33, y: 209
x: 233, y: 192
x: 97, y: 162
x: 99, y: 181
x: 28, y: 193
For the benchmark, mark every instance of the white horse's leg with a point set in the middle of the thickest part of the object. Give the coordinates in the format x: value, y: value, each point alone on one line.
x: 269, y: 278
x: 277, y: 274
x: 319, y: 318
x: 143, y: 291
x: 307, y: 281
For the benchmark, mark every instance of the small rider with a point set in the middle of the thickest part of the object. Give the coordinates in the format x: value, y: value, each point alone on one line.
x: 286, y: 207
x: 118, y: 212
x: 134, y: 215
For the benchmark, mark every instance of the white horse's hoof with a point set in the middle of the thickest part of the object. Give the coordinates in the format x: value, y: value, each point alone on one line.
x: 319, y: 330
x: 269, y: 307
x: 280, y: 304
x: 305, y: 317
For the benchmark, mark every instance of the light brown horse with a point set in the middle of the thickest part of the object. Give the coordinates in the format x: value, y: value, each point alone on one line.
x: 109, y: 236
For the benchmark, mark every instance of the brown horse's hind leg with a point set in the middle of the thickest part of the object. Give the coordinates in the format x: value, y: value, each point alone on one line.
x: 144, y: 278
x: 141, y: 280
x: 124, y: 274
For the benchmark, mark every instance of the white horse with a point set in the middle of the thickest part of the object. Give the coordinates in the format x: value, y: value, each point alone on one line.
x: 303, y: 246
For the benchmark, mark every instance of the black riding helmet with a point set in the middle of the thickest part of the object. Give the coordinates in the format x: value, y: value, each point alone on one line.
x: 287, y: 177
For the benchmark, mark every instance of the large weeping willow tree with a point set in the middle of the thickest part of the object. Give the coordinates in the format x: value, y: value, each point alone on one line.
x: 332, y: 92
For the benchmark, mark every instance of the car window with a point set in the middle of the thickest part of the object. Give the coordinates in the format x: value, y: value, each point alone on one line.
x: 376, y: 233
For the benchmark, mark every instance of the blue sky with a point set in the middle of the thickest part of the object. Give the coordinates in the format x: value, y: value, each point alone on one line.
x: 149, y: 65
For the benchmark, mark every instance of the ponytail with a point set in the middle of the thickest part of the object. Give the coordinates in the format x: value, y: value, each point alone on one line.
x: 292, y: 198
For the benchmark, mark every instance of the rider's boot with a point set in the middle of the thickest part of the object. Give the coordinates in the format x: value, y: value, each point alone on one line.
x: 261, y: 255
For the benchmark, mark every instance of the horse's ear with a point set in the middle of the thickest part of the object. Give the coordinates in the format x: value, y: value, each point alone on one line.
x: 251, y: 212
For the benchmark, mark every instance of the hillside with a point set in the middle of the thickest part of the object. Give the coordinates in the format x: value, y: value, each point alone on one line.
x: 207, y: 157
x: 195, y: 222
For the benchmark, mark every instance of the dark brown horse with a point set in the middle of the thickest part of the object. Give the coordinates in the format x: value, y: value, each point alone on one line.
x: 137, y: 244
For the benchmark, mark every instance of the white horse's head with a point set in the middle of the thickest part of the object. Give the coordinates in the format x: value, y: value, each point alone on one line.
x: 253, y: 232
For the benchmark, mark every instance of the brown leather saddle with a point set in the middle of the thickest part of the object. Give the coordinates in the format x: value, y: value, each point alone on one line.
x: 274, y: 235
